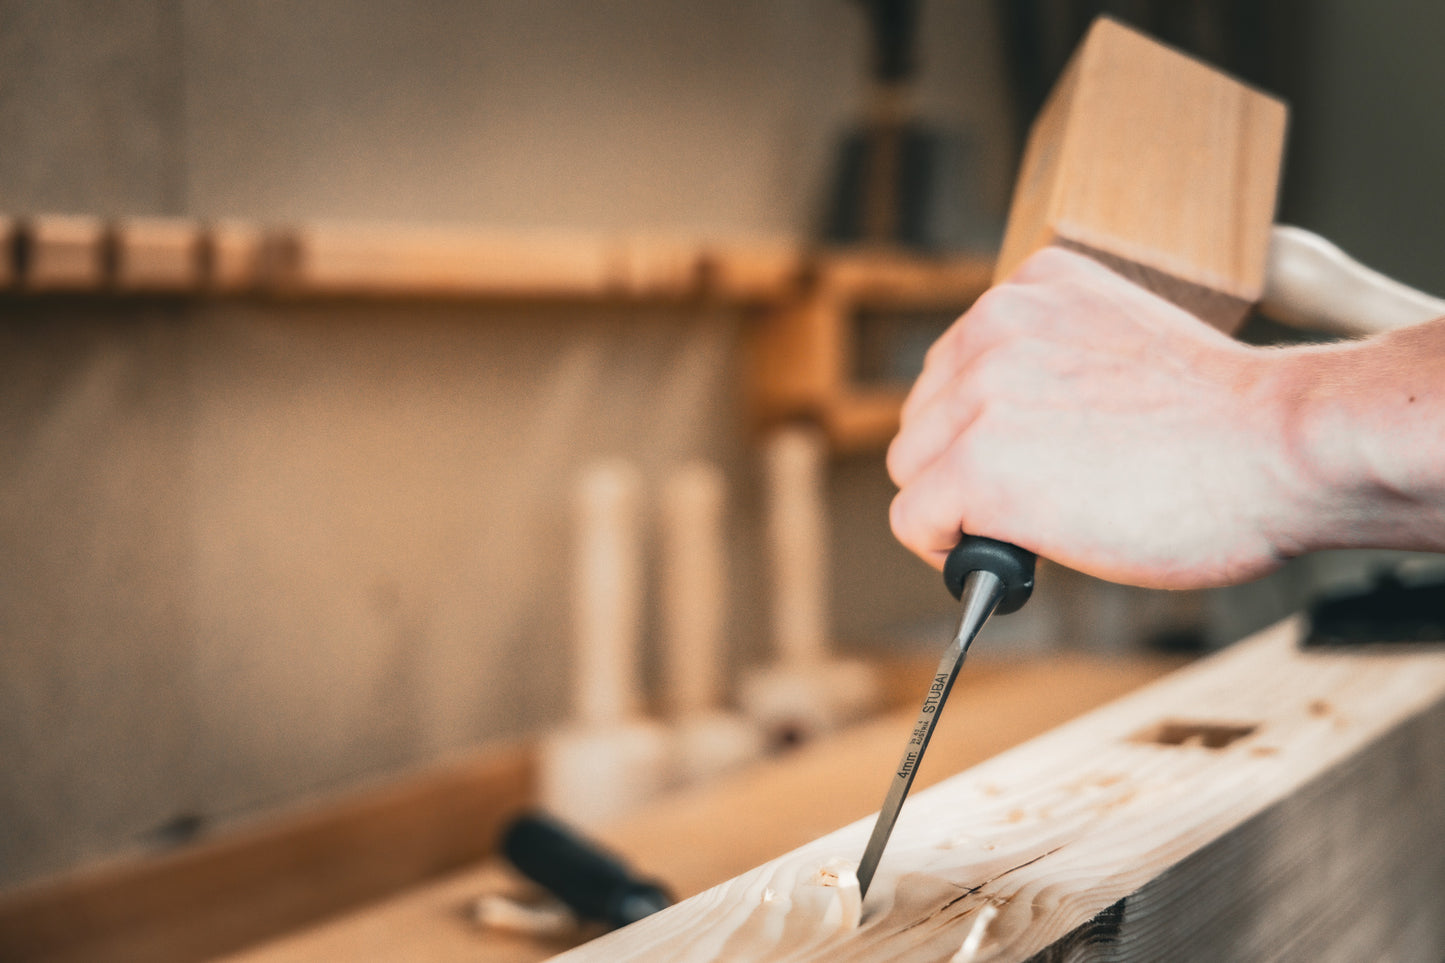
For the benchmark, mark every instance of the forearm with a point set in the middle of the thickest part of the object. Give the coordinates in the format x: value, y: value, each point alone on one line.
x: 1367, y: 425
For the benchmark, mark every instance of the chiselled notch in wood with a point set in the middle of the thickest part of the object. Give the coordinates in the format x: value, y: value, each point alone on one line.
x: 1206, y: 735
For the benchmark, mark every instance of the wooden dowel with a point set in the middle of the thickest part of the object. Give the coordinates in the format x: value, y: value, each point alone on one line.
x: 798, y: 540
x: 694, y: 578
x: 609, y: 594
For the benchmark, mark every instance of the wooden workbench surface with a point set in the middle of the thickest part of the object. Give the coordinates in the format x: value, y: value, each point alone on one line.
x: 697, y: 838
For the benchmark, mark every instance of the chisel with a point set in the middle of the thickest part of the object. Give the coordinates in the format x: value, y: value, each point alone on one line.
x: 987, y: 576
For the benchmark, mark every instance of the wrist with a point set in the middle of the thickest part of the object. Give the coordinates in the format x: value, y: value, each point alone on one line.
x: 1363, y: 453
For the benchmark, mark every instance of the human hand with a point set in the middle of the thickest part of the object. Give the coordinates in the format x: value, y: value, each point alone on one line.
x: 1084, y: 418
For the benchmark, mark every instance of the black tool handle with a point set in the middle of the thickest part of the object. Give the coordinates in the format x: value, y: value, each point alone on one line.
x: 1013, y: 566
x: 596, y: 885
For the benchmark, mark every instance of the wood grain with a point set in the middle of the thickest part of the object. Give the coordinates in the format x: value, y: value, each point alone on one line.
x: 215, y: 897
x: 1315, y: 836
x: 1159, y: 166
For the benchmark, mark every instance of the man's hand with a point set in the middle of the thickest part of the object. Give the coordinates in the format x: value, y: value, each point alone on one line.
x: 1077, y: 415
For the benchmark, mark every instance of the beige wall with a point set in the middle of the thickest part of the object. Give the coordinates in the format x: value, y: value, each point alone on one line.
x: 251, y: 552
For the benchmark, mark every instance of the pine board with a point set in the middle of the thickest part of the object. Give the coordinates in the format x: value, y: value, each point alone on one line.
x: 1317, y: 835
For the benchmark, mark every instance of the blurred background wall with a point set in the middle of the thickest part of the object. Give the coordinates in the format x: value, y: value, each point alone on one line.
x: 253, y: 552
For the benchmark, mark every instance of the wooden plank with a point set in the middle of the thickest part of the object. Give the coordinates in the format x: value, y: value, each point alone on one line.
x: 157, y: 254
x: 217, y: 896
x: 1159, y: 166
x: 62, y: 252
x: 697, y: 838
x: 1268, y: 803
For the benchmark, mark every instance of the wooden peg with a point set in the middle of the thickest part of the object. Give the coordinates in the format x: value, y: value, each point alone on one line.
x: 708, y: 739
x: 694, y: 587
x: 807, y: 691
x: 609, y: 594
x: 62, y: 252
x: 608, y: 759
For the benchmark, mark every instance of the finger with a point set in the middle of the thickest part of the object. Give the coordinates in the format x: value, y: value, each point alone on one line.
x: 981, y: 326
x: 938, y: 368
x: 935, y: 424
x: 929, y: 515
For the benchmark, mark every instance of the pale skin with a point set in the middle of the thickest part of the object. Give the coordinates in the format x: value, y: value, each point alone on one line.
x: 1082, y: 417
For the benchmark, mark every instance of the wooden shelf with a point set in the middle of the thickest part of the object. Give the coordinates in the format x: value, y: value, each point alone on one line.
x: 132, y: 255
x: 806, y: 357
x: 836, y: 336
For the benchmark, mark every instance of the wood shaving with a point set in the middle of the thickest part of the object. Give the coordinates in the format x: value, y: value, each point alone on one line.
x: 973, y: 942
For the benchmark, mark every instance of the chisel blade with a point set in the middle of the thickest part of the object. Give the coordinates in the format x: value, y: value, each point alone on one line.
x: 980, y: 596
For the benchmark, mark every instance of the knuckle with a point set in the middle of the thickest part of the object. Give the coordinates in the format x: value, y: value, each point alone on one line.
x: 900, y: 520
x: 989, y: 376
x: 896, y: 460
x: 943, y: 350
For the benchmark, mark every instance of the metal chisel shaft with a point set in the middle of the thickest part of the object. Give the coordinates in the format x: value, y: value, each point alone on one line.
x: 981, y: 593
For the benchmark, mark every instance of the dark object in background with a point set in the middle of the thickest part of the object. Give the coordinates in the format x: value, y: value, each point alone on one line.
x: 897, y: 181
x: 595, y: 884
x: 1179, y: 640
x: 884, y: 186
x: 1389, y: 612
x: 1267, y: 43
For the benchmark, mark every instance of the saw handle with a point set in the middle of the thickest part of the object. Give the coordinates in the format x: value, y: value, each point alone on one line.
x: 1013, y: 566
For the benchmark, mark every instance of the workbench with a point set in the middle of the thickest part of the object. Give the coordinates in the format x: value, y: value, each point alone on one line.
x: 697, y: 838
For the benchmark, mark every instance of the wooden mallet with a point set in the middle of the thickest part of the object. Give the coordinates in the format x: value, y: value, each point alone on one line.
x: 1167, y: 170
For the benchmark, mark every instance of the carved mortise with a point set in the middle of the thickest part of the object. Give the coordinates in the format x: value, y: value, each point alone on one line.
x: 1206, y: 735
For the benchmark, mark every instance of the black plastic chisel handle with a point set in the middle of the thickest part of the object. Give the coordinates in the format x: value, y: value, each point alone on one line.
x: 1013, y: 566
x: 597, y: 885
